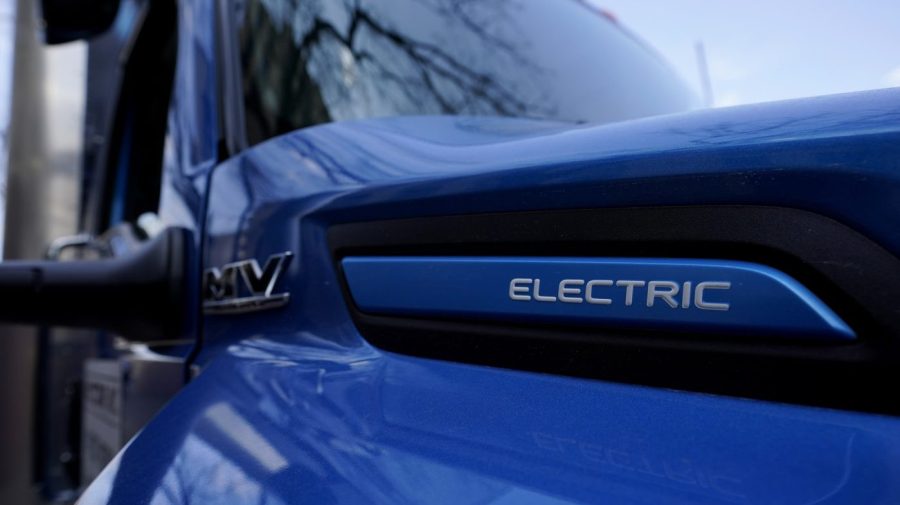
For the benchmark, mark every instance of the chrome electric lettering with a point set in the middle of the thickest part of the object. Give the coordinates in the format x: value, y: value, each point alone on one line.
x: 651, y: 293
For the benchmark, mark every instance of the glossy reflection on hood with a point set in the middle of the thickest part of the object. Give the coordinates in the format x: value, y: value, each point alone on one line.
x: 329, y: 425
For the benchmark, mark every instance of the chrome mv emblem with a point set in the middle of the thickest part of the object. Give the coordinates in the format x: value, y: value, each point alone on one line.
x: 224, y: 294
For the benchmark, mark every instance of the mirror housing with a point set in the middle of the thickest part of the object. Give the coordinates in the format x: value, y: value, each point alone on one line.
x: 68, y: 20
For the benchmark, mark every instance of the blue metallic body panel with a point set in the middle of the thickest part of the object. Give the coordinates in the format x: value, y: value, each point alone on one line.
x: 295, y: 418
x: 293, y: 405
x: 760, y: 302
x: 192, y: 132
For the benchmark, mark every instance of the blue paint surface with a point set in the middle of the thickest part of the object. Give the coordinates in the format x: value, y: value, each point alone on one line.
x: 295, y: 418
x: 293, y: 405
x: 746, y: 299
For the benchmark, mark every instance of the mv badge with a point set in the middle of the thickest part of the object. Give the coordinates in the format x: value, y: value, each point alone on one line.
x: 224, y: 293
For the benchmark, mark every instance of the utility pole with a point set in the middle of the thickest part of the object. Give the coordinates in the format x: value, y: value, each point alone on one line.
x: 24, y: 237
x: 703, y: 69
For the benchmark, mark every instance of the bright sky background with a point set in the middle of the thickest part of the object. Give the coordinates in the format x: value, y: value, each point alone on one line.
x: 765, y: 50
x: 7, y: 13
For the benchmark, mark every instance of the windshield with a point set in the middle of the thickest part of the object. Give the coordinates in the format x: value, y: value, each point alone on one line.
x: 308, y: 62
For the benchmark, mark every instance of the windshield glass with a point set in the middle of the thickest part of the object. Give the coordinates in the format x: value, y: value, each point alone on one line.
x: 314, y: 61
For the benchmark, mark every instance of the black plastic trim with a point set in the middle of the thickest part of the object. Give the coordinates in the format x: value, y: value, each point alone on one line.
x: 855, y: 276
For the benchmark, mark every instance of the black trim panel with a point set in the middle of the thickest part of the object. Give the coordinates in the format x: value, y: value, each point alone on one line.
x: 855, y: 276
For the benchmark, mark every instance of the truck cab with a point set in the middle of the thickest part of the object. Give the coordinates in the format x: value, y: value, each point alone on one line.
x: 467, y: 252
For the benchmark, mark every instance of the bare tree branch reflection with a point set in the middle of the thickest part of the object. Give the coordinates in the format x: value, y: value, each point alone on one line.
x: 334, y: 59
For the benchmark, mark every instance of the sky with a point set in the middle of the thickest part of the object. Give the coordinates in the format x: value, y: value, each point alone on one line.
x: 7, y: 18
x: 764, y: 50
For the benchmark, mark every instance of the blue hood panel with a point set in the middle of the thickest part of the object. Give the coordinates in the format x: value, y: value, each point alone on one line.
x: 293, y: 405
x: 838, y: 156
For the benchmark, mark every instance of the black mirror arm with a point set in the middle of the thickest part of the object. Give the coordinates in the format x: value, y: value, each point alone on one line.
x: 148, y: 295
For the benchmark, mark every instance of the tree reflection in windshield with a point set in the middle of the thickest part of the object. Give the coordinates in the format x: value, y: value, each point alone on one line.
x: 312, y: 61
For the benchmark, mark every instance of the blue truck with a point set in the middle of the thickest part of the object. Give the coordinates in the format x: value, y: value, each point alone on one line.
x: 438, y: 251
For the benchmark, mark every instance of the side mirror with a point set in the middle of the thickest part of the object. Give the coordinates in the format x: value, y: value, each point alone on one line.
x: 68, y: 20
